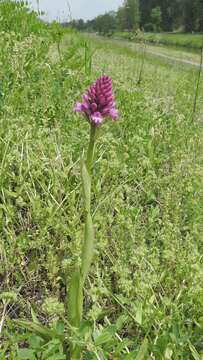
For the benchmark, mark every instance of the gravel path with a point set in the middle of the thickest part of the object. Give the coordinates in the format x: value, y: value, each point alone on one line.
x: 158, y: 53
x: 173, y: 58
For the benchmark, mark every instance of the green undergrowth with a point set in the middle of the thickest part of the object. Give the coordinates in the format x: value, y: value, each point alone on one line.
x: 146, y: 279
x: 190, y: 41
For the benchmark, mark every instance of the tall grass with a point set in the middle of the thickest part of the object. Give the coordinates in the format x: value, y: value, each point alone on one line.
x: 144, y: 291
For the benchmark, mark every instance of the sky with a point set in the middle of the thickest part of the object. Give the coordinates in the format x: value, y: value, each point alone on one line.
x: 85, y: 9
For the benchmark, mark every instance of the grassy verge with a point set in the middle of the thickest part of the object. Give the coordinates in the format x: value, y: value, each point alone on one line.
x: 190, y: 41
x: 147, y: 273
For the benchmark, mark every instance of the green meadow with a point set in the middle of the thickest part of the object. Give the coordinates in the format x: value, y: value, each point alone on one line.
x: 143, y: 295
x: 190, y: 41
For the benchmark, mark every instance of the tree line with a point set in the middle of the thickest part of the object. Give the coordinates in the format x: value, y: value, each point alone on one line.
x: 148, y: 15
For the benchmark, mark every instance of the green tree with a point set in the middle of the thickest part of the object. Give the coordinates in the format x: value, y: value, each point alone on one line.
x: 198, y: 10
x: 145, y: 12
x: 132, y: 14
x: 105, y: 23
x: 150, y: 15
x: 156, y: 18
x: 121, y: 19
x: 189, y: 16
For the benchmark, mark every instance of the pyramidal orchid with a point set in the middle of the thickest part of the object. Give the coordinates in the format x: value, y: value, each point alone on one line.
x: 98, y: 104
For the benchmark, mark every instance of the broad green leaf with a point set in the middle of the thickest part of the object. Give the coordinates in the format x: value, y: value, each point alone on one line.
x: 60, y: 327
x: 139, y: 314
x: 10, y: 295
x: 75, y: 299
x: 35, y: 342
x: 88, y: 247
x: 106, y: 335
x: 85, y: 329
x: 26, y: 354
x: 38, y: 329
x: 120, y: 322
x: 34, y: 317
x: 52, y: 347
x: 10, y: 193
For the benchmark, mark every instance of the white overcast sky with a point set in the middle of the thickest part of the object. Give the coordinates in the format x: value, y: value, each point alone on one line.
x: 85, y: 9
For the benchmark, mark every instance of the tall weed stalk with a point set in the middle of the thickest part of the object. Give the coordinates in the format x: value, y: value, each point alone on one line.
x: 197, y: 87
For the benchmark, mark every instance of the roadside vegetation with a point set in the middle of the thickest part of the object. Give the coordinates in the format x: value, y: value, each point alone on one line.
x: 143, y: 295
x: 190, y: 41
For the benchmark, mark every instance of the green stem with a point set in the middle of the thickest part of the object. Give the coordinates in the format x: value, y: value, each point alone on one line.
x: 79, y: 276
x: 90, y: 151
x: 88, y: 244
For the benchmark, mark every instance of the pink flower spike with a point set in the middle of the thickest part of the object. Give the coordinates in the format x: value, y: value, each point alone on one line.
x: 78, y: 107
x: 96, y: 118
x: 85, y: 106
x: 98, y: 102
x: 85, y: 97
x: 93, y: 106
x: 114, y: 114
